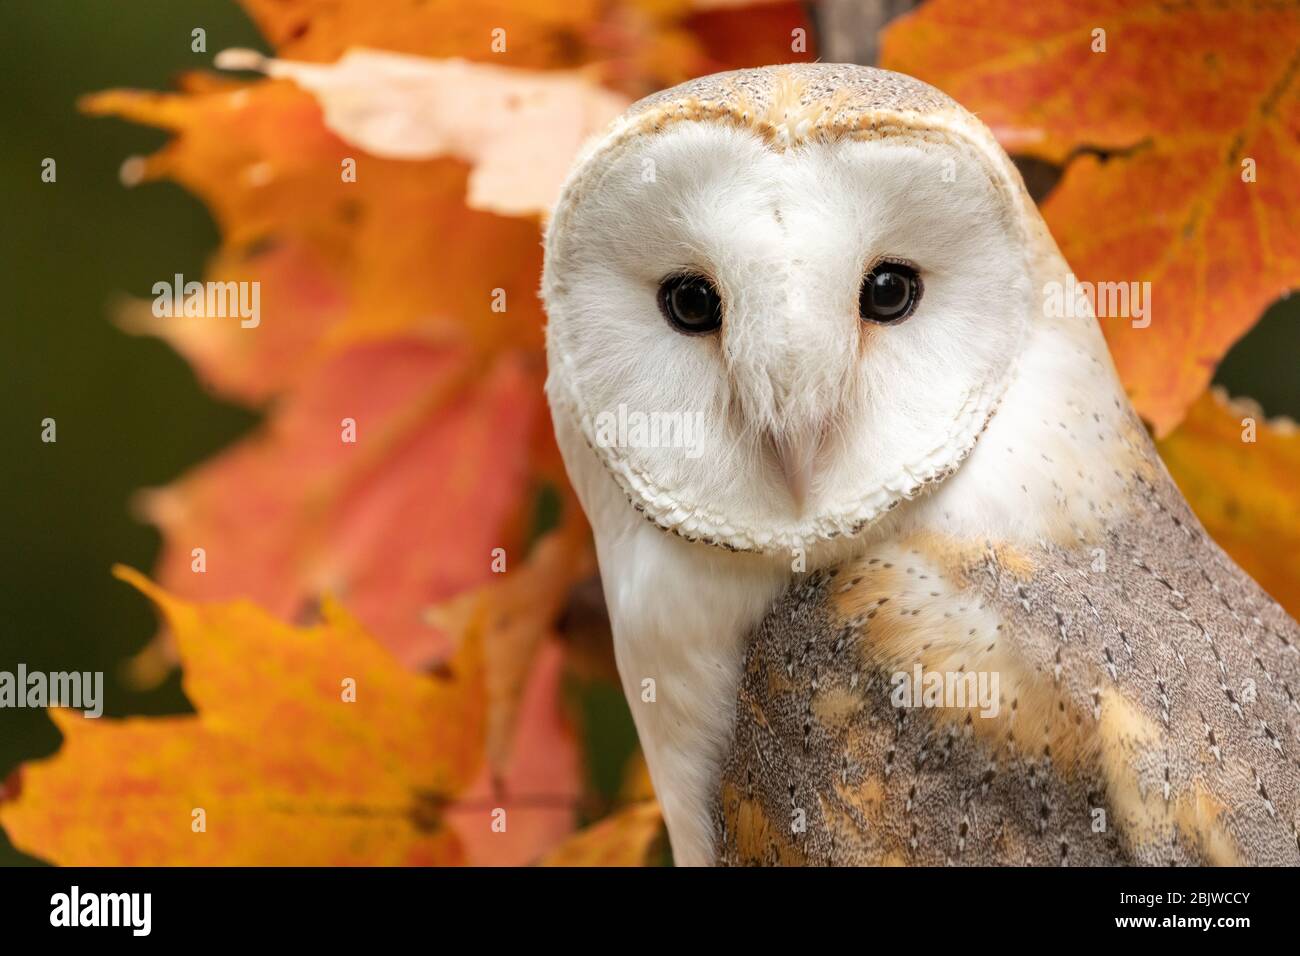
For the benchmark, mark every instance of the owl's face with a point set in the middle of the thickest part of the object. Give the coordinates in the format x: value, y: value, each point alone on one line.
x: 769, y: 347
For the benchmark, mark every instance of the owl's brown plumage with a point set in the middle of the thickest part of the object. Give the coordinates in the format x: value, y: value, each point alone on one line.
x: 1149, y: 710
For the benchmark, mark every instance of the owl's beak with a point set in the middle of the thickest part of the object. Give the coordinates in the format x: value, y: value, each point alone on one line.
x: 797, y: 458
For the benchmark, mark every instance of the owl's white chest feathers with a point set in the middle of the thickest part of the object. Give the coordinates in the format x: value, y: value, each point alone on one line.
x: 681, y: 611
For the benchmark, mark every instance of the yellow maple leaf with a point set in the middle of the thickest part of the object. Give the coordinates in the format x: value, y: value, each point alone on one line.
x: 309, y: 746
x: 624, y: 838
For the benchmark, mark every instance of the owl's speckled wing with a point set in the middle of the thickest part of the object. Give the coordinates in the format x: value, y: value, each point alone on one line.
x: 1148, y: 707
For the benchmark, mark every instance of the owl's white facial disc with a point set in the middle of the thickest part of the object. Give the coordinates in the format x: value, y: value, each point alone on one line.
x: 795, y: 421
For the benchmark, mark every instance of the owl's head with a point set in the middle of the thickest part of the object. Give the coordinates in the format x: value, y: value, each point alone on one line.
x: 781, y: 301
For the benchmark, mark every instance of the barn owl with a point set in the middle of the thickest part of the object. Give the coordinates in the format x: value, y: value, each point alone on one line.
x: 836, y: 445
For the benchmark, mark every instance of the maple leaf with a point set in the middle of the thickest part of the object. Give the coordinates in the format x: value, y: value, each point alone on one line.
x: 636, y: 47
x: 1238, y: 471
x: 531, y: 770
x: 624, y: 838
x: 521, y: 611
x: 403, y: 517
x: 394, y: 253
x: 284, y: 767
x: 734, y: 34
x: 1195, y: 111
x: 519, y: 129
x: 537, y: 782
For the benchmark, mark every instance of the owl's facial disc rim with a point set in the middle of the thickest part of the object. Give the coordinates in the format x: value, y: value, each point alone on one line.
x: 662, y: 510
x: 837, y: 520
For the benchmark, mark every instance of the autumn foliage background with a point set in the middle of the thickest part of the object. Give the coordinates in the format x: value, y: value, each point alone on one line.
x: 372, y: 562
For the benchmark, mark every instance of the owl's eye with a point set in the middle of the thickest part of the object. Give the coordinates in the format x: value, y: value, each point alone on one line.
x: 690, y: 303
x: 889, y: 293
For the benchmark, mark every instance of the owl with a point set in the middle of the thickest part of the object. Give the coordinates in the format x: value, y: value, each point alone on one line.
x: 894, y: 572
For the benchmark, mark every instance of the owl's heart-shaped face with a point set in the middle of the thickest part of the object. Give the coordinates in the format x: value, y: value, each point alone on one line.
x: 769, y: 345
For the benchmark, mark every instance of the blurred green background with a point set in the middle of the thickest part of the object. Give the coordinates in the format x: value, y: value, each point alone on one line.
x: 129, y: 412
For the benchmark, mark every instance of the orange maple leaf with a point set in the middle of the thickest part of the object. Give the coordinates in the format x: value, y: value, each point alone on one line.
x: 624, y: 838
x: 1238, y: 471
x: 636, y: 46
x: 394, y: 253
x: 309, y: 746
x: 1195, y: 108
